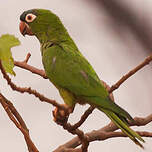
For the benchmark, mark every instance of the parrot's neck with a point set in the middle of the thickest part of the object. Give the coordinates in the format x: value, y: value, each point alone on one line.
x: 48, y: 38
x: 54, y: 36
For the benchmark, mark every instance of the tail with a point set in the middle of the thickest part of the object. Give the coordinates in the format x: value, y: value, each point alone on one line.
x: 121, y: 123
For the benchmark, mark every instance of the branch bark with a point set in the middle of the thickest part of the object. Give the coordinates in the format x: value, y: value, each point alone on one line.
x: 106, y: 133
x: 130, y: 73
x: 29, y: 90
x: 24, y: 65
x: 16, y: 118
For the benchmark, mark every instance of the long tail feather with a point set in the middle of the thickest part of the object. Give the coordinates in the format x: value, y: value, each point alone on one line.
x: 124, y: 127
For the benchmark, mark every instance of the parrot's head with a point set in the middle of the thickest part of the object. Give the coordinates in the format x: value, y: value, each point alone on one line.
x: 41, y: 23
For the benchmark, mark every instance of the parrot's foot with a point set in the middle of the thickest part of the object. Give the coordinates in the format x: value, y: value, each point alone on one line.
x: 61, y: 116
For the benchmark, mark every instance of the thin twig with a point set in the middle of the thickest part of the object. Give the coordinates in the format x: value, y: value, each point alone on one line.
x: 30, y: 68
x: 18, y: 121
x: 24, y: 65
x: 17, y: 116
x: 83, y: 117
x: 27, y: 57
x: 130, y: 73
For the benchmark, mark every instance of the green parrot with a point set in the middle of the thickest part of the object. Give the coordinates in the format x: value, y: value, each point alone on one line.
x: 69, y: 70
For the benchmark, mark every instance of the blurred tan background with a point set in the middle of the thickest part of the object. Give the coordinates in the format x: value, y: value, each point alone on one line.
x: 114, y: 36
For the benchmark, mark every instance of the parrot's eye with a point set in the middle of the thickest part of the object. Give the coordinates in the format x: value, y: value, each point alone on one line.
x: 30, y: 18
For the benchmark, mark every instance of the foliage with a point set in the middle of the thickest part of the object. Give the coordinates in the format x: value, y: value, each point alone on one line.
x: 7, y: 41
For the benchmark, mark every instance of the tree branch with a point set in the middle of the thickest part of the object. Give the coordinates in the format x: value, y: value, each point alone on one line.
x: 107, y: 132
x: 62, y: 120
x: 16, y: 118
x: 30, y: 91
x: 83, y: 117
x: 24, y: 65
x: 130, y: 73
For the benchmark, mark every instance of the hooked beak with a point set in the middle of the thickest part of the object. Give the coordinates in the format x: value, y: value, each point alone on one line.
x: 25, y: 29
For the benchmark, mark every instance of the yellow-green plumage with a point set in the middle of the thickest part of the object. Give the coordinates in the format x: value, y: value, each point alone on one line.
x: 71, y: 73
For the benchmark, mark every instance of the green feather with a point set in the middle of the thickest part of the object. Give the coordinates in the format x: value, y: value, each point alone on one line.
x: 71, y: 73
x: 125, y: 129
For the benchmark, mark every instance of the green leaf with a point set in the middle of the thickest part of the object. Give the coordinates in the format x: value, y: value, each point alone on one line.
x: 6, y: 43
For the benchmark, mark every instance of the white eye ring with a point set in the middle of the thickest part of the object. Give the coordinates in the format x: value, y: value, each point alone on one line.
x: 30, y: 17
